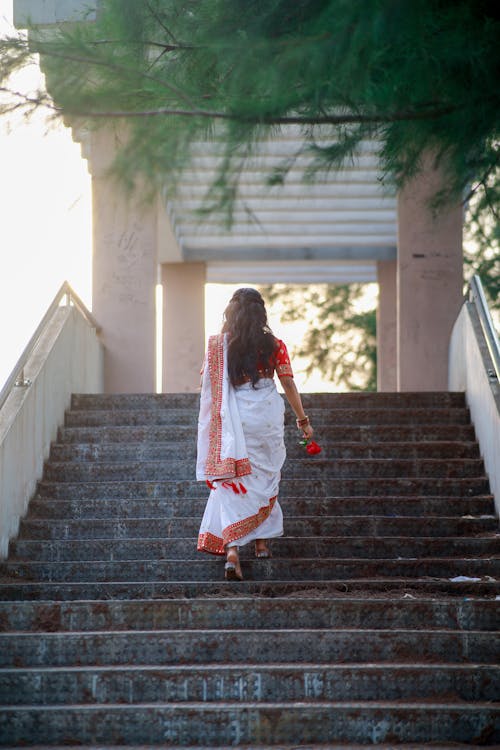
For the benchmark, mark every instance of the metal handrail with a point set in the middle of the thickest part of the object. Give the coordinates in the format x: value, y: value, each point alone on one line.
x: 476, y: 295
x: 16, y: 378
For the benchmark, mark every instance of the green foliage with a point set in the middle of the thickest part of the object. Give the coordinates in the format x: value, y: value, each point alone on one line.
x: 482, y: 246
x: 420, y: 76
x: 341, y: 341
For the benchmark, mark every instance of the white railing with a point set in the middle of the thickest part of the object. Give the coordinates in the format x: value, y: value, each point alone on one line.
x: 63, y: 356
x: 474, y: 367
x: 476, y: 295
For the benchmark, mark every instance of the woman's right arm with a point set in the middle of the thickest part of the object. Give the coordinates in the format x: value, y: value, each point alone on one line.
x: 293, y: 397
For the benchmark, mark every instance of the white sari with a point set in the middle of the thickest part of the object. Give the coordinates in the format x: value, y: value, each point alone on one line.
x: 241, y: 451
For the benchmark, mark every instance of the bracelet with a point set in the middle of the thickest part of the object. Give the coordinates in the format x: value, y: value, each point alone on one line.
x: 302, y: 422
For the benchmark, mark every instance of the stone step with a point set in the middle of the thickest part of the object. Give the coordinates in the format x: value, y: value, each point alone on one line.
x: 337, y: 547
x: 428, y: 399
x: 206, y: 568
x: 250, y: 682
x: 482, y: 505
x: 262, y: 646
x: 319, y: 417
x: 369, y: 434
x: 170, y: 451
x: 256, y: 612
x: 372, y: 587
x: 296, y: 526
x: 239, y: 724
x: 154, y: 471
x: 253, y: 746
x: 288, y: 488
x: 118, y: 401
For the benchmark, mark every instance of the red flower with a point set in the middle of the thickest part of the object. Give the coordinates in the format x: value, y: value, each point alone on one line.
x: 313, y: 448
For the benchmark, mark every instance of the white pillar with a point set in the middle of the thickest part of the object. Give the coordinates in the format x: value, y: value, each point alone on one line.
x: 429, y: 283
x: 183, y: 325
x: 387, y: 355
x: 124, y: 276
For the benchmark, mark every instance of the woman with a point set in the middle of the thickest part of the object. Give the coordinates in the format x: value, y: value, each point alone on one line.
x: 241, y: 445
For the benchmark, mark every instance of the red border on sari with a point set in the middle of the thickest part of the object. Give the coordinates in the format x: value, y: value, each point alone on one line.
x: 215, y: 466
x: 215, y: 545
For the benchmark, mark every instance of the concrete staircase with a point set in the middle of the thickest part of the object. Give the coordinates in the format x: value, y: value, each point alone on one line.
x: 115, y: 631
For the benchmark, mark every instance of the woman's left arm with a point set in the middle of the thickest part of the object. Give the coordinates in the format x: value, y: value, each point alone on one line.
x: 295, y: 401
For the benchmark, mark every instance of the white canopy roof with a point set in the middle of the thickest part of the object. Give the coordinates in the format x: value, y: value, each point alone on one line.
x: 334, y: 228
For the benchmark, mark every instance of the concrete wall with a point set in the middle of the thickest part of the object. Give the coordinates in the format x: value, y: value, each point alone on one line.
x: 67, y: 359
x: 469, y: 362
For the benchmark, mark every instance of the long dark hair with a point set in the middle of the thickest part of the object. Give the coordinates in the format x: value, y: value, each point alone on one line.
x: 250, y: 339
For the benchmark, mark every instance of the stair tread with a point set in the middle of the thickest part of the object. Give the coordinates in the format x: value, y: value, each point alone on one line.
x: 306, y: 746
x: 291, y: 517
x: 302, y: 746
x: 374, y: 587
x: 457, y: 704
x: 251, y: 631
x: 256, y: 666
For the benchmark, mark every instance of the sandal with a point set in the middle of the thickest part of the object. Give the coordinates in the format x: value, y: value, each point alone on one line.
x: 232, y: 569
x: 262, y: 551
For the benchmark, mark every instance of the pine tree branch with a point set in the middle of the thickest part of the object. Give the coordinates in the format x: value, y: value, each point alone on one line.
x: 144, y: 43
x: 483, y: 183
x: 234, y: 116
x: 42, y: 100
x: 159, y: 20
x: 269, y: 119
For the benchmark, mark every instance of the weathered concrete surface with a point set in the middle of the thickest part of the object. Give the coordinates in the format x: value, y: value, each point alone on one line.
x: 334, y: 547
x: 247, y: 722
x: 361, y: 505
x: 244, y: 646
x: 285, y: 569
x: 297, y: 487
x: 390, y: 612
x: 305, y: 526
x: 371, y: 587
x: 179, y: 684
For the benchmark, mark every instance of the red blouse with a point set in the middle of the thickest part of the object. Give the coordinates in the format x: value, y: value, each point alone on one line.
x: 279, y: 362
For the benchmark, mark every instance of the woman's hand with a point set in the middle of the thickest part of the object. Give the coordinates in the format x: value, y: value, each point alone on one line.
x: 307, y: 431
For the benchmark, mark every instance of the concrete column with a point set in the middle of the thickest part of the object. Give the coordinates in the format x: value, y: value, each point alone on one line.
x: 429, y: 283
x: 387, y: 353
x: 124, y: 276
x: 183, y: 325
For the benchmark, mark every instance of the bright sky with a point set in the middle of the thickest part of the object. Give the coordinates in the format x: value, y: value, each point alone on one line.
x: 45, y: 221
x: 46, y: 227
